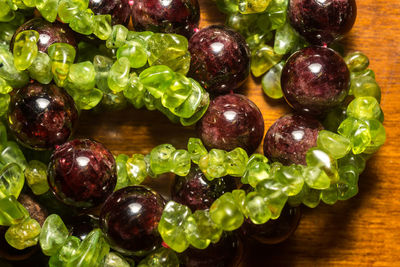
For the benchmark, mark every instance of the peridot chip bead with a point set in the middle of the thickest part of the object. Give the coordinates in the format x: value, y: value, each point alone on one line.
x: 62, y: 56
x: 114, y: 260
x: 180, y: 162
x: 316, y: 178
x: 273, y: 195
x: 257, y: 170
x: 82, y: 76
x: 257, y: 209
x: 330, y: 195
x: 53, y: 235
x: 227, y: 6
x: 337, y: 145
x: 356, y: 61
x: 365, y: 86
x: 25, y: 49
x: 135, y: 91
x: 156, y: 78
x: 378, y: 136
x: 236, y: 161
x: 118, y: 77
x: 65, y: 253
x: 24, y: 234
x: 122, y: 173
x: 36, y: 176
x: 87, y: 99
x: 286, y: 39
x: 8, y: 72
x: 177, y: 91
x: 358, y: 132
x: 171, y: 224
x: 83, y: 22
x: 102, y: 26
x: 5, y: 88
x: 11, y: 180
x: 40, y: 70
x: 252, y: 6
x: 213, y: 164
x: 136, y: 169
x: 118, y: 36
x: 225, y: 213
x: 291, y: 178
x: 196, y: 149
x: 11, y: 211
x: 135, y: 52
x: 271, y: 81
x: 102, y: 66
x: 48, y: 9
x: 262, y: 59
x: 67, y: 9
x: 160, y: 158
x: 311, y: 197
x: 364, y: 107
x: 4, y: 103
x: 189, y: 107
x: 161, y: 257
x: 320, y: 159
x: 347, y: 187
x: 6, y: 13
x: 11, y: 153
x: 358, y: 161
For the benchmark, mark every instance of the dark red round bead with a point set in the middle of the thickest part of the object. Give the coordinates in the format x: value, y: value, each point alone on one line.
x: 314, y: 80
x: 82, y: 173
x: 129, y: 219
x: 321, y: 22
x: 232, y: 121
x: 220, y: 59
x: 290, y: 137
x: 42, y: 116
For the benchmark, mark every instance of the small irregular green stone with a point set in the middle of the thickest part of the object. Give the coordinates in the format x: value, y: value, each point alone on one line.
x: 83, y: 22
x: 252, y: 6
x: 263, y: 59
x: 161, y: 257
x: 118, y: 77
x: 160, y: 158
x: 11, y: 153
x: 102, y: 26
x: 40, y: 70
x: 236, y: 162
x: 24, y: 234
x: 36, y: 176
x: 291, y: 177
x: 8, y: 72
x: 67, y: 9
x: 82, y: 75
x: 356, y: 61
x: 271, y: 81
x: 114, y: 260
x: 11, y: 180
x: 196, y: 149
x: 273, y: 194
x: 257, y: 209
x: 365, y: 86
x: 257, y: 170
x: 62, y: 56
x: 337, y: 145
x: 213, y: 164
x: 47, y: 8
x: 118, y: 36
x: 364, y: 108
x: 180, y: 162
x: 225, y: 213
x: 189, y: 107
x: 347, y: 187
x: 25, y: 49
x: 136, y: 169
x: 316, y: 157
x: 330, y: 195
x: 378, y: 136
x: 122, y: 173
x: 53, y: 235
x: 11, y: 211
x: 285, y: 39
x: 5, y: 88
x: 87, y: 99
x: 135, y: 52
x: 358, y: 132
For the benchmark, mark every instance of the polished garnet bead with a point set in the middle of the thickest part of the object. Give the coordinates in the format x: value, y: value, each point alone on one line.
x: 197, y: 192
x: 42, y: 116
x: 322, y: 21
x: 129, y: 219
x: 172, y: 16
x: 290, y: 137
x: 314, y: 80
x: 220, y: 59
x: 120, y: 10
x: 82, y: 173
x: 232, y: 121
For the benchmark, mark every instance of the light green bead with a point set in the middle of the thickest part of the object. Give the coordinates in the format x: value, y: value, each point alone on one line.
x: 365, y: 86
x: 25, y: 49
x: 161, y: 257
x: 316, y: 178
x: 243, y: 23
x: 67, y: 9
x: 5, y: 88
x: 239, y: 197
x: 12, y: 154
x: 338, y: 146
x: 213, y: 164
x: 252, y: 6
x: 11, y: 180
x: 122, y: 172
x: 193, y: 235
x: 53, y: 235
x: 257, y: 170
x: 358, y: 132
x: 82, y: 76
x: 285, y: 39
x: 319, y: 158
x: 227, y: 6
x: 40, y: 70
x: 36, y: 176
x: 189, y: 107
x: 118, y: 36
x: 177, y: 91
x: 136, y: 168
x: 48, y: 9
x: 156, y: 78
x: 357, y: 161
x: 91, y: 251
x: 347, y: 186
x: 225, y: 213
x: 275, y: 15
x: 180, y: 162
x: 160, y: 158
x: 311, y: 197
x: 24, y: 234
x: 263, y: 59
x: 62, y: 56
x: 236, y: 162
x: 4, y: 103
x: 171, y: 224
x: 271, y: 81
x: 365, y: 107
x: 87, y: 99
x: 330, y: 195
x: 102, y: 66
x: 135, y: 52
x: 7, y: 32
x: 356, y: 61
x: 11, y: 211
x: 273, y: 195
x: 135, y: 91
x: 83, y: 22
x: 114, y: 260
x: 6, y: 13
x: 291, y: 177
x: 118, y: 77
x: 196, y: 149
x: 3, y: 136
x: 258, y: 211
x: 202, y: 108
x: 65, y: 253
x: 378, y: 136
x: 363, y: 73
x: 8, y: 72
x: 102, y: 26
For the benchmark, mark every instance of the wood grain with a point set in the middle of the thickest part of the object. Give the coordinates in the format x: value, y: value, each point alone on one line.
x: 364, y: 231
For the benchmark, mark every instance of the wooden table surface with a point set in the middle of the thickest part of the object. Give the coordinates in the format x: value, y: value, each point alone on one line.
x: 363, y: 231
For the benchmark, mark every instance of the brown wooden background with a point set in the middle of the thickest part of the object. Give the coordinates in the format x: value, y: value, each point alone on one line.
x: 364, y: 231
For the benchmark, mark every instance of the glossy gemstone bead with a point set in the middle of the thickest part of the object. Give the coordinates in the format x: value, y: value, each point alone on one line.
x: 10, y: 74
x: 274, y: 195
x: 196, y: 149
x: 160, y: 158
x: 160, y: 257
x: 53, y: 235
x: 356, y: 61
x: 286, y: 39
x: 40, y: 70
x: 324, y: 169
x: 252, y: 6
x: 314, y: 80
x: 129, y: 220
x: 364, y: 108
x: 24, y: 234
x: 271, y: 81
x: 136, y: 168
x: 135, y: 52
x: 290, y: 137
x: 175, y: 16
x: 82, y: 173
x: 263, y: 59
x: 102, y: 26
x: 68, y: 9
x: 11, y: 211
x: 322, y: 22
x: 358, y: 132
x: 220, y: 59
x: 119, y: 75
x: 11, y: 254
x: 62, y: 56
x: 226, y: 213
x: 365, y: 86
x: 213, y: 164
x: 48, y: 9
x: 232, y: 121
x: 12, y: 154
x: 338, y: 146
x: 25, y: 49
x: 83, y: 22
x: 42, y: 116
x: 81, y: 76
x: 11, y: 180
x: 257, y: 169
x: 64, y: 254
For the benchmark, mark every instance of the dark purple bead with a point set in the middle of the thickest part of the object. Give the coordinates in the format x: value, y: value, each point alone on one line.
x: 232, y: 121
x: 226, y: 253
x: 42, y: 116
x: 220, y: 59
x: 49, y: 33
x: 82, y: 173
x: 82, y: 225
x: 12, y: 254
x: 290, y: 137
x: 129, y: 219
x: 120, y: 10
x: 274, y: 231
x: 197, y: 192
x: 321, y: 22
x: 314, y: 80
x: 172, y: 16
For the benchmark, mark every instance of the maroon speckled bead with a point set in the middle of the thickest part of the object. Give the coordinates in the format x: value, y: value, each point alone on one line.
x: 197, y: 192
x: 290, y: 137
x: 49, y: 33
x: 232, y: 121
x: 220, y: 59
x: 129, y: 219
x: 82, y: 173
x: 120, y: 10
x: 314, y: 80
x: 173, y: 16
x: 274, y: 231
x: 321, y: 22
x: 41, y: 116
